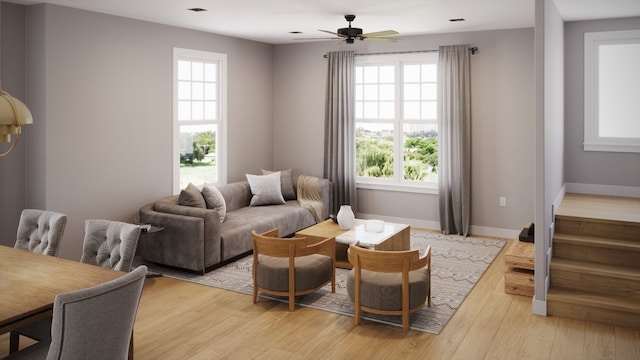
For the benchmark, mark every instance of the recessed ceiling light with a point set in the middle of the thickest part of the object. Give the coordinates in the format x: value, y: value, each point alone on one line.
x: 456, y: 19
x: 197, y: 9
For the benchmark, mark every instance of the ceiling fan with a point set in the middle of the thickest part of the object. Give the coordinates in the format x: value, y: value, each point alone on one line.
x: 350, y: 34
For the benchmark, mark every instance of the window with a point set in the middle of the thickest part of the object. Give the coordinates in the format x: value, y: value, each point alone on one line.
x: 396, y: 122
x: 612, y: 90
x: 199, y: 104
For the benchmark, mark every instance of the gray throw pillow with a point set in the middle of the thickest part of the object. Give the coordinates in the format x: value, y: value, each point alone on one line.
x: 286, y: 183
x: 191, y: 196
x: 214, y: 199
x: 265, y: 189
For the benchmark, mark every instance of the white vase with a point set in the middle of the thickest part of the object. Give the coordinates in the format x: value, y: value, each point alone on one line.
x: 345, y: 217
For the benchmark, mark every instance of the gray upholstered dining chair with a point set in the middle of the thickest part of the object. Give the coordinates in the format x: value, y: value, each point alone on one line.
x: 389, y: 282
x: 40, y: 231
x: 110, y: 244
x: 290, y: 266
x: 93, y: 323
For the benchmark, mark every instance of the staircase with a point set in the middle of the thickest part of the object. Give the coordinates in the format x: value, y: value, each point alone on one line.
x: 595, y: 269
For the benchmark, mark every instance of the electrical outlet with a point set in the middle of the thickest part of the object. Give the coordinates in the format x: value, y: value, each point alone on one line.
x: 503, y: 201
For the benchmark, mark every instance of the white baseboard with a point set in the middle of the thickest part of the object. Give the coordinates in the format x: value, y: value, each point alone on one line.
x: 435, y: 225
x: 608, y: 190
x: 539, y: 307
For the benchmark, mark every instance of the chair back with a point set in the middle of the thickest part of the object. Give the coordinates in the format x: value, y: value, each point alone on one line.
x: 403, y: 276
x: 291, y: 266
x: 110, y: 244
x: 386, y: 261
x: 40, y: 231
x: 96, y: 323
x: 271, y: 245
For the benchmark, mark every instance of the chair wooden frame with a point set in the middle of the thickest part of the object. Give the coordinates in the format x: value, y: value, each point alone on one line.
x: 388, y: 262
x: 269, y: 244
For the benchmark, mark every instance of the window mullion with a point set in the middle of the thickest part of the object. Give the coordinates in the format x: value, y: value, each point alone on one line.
x: 399, y: 147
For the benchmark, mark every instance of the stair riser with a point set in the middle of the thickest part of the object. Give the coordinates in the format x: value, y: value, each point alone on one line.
x: 596, y: 254
x: 589, y: 313
x: 595, y: 283
x: 612, y: 230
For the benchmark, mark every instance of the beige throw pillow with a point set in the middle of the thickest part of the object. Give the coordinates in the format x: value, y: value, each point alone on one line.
x: 265, y: 189
x: 214, y: 199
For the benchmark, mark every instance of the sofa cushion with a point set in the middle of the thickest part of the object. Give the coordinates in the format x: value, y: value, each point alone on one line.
x: 265, y: 189
x: 214, y: 200
x: 236, y: 229
x: 191, y: 196
x: 286, y: 183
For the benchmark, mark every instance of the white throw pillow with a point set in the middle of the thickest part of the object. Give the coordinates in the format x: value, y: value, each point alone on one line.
x: 286, y: 183
x: 265, y: 189
x: 214, y: 199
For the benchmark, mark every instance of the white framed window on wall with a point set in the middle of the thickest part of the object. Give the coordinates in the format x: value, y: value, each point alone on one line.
x: 199, y: 117
x: 396, y: 122
x: 612, y: 90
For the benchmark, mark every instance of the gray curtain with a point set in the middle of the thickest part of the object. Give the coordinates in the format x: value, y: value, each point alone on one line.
x: 454, y: 139
x: 339, y: 131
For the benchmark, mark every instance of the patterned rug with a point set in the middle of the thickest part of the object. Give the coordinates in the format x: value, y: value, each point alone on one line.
x: 458, y: 263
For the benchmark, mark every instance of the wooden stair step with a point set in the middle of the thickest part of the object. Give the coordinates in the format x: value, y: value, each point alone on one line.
x: 585, y: 267
x: 598, y: 242
x: 601, y: 278
x: 602, y: 308
x: 625, y: 230
x: 597, y: 250
x: 596, y: 300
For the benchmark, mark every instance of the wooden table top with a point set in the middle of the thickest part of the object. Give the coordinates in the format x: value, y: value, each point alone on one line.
x: 29, y: 283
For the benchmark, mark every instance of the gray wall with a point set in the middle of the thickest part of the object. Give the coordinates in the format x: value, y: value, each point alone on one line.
x: 100, y: 90
x: 13, y: 177
x: 502, y: 125
x: 591, y: 167
x: 101, y: 93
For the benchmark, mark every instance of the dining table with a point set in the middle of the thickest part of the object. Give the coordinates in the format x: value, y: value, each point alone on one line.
x: 29, y: 283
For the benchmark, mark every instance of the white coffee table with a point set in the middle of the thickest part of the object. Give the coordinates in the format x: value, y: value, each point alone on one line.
x: 394, y: 237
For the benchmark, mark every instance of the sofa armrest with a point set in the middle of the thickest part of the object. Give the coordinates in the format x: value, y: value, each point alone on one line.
x: 190, y: 238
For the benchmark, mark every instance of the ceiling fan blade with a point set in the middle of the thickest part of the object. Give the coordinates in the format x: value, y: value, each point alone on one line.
x: 331, y: 32
x: 324, y: 38
x: 380, y: 33
x: 380, y: 39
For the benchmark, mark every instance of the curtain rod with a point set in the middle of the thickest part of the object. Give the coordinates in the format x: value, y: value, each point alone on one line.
x: 471, y: 49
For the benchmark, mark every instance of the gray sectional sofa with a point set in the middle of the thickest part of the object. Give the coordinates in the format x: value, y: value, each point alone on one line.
x: 194, y: 238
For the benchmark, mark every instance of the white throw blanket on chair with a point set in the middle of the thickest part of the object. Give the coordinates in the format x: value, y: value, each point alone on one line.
x: 309, y: 197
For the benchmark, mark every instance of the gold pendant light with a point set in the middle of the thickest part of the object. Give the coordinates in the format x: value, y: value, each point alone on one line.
x: 13, y: 113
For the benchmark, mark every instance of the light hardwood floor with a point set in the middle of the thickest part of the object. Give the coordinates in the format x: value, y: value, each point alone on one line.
x: 180, y: 320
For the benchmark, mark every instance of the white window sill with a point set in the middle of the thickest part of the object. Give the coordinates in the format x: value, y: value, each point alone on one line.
x: 426, y: 189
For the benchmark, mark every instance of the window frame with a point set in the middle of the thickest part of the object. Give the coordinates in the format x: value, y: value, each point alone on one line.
x: 592, y: 139
x: 397, y: 183
x: 221, y: 122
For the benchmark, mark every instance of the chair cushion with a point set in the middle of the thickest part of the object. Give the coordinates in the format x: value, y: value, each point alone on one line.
x: 311, y: 272
x: 383, y: 291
